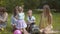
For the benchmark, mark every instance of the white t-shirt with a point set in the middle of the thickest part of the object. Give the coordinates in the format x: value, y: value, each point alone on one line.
x: 21, y: 16
x: 31, y: 19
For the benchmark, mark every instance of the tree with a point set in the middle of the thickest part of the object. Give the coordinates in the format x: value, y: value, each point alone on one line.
x: 10, y: 4
x: 31, y: 4
x: 54, y: 4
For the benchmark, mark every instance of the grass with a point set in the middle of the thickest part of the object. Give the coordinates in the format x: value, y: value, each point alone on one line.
x: 56, y: 22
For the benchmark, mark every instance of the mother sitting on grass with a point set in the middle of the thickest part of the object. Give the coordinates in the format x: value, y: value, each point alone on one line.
x: 3, y: 18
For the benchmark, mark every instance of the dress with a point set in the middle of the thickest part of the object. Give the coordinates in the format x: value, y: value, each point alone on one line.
x: 21, y: 22
x: 44, y: 22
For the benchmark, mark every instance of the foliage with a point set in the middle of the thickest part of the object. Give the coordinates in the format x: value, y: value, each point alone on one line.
x: 30, y: 4
x: 10, y: 4
x: 54, y: 4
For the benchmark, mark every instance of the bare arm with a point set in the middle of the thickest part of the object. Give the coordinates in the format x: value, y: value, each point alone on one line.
x: 5, y: 18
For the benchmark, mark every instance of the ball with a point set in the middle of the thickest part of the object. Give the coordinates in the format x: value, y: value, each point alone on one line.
x: 17, y: 32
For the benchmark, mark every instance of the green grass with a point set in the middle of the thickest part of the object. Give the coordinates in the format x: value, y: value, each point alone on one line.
x: 56, y: 22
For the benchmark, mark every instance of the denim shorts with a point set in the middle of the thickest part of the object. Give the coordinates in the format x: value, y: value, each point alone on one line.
x: 3, y: 25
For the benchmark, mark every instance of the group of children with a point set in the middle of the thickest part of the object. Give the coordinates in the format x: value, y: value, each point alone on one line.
x: 18, y: 22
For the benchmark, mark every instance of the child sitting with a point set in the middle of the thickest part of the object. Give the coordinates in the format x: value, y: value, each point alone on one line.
x: 30, y: 19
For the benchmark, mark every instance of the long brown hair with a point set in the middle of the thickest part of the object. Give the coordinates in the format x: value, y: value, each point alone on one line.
x: 15, y: 11
x: 48, y: 13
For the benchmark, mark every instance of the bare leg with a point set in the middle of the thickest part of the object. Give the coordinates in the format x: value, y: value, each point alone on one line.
x: 25, y: 32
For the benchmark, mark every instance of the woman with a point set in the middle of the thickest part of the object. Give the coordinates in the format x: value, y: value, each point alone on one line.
x: 3, y: 18
x: 46, y: 19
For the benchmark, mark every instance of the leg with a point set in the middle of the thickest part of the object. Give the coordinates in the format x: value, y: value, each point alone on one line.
x: 25, y: 32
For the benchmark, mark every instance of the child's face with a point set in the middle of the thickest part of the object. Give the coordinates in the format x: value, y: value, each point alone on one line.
x: 30, y: 13
x: 20, y: 9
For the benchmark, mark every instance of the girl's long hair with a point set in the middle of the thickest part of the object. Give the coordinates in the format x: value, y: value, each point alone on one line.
x: 15, y: 11
x: 48, y: 12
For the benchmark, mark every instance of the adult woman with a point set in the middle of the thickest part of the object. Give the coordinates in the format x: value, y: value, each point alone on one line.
x: 3, y: 17
x: 46, y: 19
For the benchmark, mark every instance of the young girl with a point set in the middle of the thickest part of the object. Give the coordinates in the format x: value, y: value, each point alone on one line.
x: 46, y: 19
x: 3, y: 18
x: 14, y: 18
x: 21, y: 22
x: 30, y: 19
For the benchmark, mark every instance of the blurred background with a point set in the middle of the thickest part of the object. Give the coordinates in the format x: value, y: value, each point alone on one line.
x: 36, y: 6
x: 30, y: 4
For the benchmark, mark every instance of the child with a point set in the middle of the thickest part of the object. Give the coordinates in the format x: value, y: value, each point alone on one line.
x: 3, y: 18
x: 21, y: 22
x: 30, y: 19
x: 46, y: 19
x: 14, y: 18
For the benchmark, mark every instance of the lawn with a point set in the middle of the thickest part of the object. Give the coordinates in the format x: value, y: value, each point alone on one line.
x: 56, y: 22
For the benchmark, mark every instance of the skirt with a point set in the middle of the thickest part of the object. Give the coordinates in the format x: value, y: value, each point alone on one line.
x: 21, y: 24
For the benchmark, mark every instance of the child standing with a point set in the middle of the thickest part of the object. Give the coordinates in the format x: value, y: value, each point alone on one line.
x: 18, y: 19
x: 21, y: 22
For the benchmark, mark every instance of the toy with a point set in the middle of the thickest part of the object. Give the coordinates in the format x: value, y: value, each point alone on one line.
x: 17, y: 32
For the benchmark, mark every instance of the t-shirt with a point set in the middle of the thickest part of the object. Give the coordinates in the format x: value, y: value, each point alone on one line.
x: 21, y: 16
x: 31, y: 19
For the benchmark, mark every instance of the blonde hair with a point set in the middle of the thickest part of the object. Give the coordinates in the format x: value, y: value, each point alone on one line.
x: 48, y: 13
